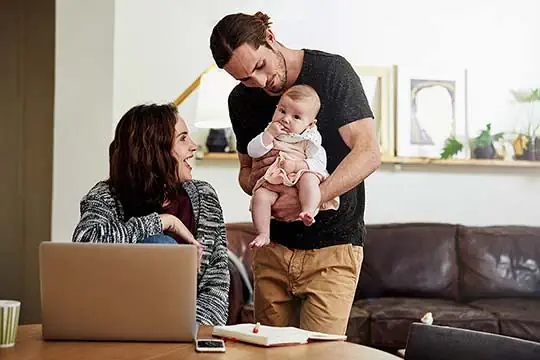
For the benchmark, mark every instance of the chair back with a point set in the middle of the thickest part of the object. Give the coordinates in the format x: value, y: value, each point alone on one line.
x: 433, y: 342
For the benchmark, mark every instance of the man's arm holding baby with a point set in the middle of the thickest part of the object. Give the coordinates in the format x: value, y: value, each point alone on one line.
x: 362, y: 160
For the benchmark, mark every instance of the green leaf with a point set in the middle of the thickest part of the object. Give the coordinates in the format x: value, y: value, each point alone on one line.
x: 485, y: 138
x: 451, y: 148
x: 526, y: 96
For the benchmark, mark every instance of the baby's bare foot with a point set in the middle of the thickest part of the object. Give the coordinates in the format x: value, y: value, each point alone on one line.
x: 307, y: 218
x: 260, y: 241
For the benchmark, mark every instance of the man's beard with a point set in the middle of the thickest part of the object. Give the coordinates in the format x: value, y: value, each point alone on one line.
x: 281, y: 74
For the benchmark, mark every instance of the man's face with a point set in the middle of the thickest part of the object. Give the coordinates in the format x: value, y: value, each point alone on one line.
x: 263, y: 68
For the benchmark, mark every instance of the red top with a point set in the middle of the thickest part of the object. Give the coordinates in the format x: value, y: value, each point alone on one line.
x: 180, y: 206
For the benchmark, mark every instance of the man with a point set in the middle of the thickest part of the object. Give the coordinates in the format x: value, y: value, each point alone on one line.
x: 307, y: 276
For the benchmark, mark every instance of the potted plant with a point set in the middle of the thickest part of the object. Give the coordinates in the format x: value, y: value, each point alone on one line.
x: 452, y: 147
x: 527, y: 144
x: 482, y: 145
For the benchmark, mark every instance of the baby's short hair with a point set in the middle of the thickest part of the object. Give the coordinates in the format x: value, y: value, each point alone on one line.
x: 304, y: 93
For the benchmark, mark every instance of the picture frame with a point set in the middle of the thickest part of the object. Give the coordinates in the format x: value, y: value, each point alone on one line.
x: 379, y: 86
x: 430, y: 107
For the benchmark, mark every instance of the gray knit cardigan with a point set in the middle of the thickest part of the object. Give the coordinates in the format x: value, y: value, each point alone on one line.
x: 102, y: 220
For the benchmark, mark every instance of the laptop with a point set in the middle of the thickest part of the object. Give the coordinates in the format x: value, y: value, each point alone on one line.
x: 118, y: 292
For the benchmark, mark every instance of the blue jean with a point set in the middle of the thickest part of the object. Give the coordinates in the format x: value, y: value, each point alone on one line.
x: 159, y: 239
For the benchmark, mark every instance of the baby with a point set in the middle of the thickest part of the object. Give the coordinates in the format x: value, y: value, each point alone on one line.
x: 301, y: 160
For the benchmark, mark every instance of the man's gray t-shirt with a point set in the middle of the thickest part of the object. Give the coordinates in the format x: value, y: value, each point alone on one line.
x: 342, y: 101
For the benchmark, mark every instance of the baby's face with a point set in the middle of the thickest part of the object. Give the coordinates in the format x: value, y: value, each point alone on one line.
x: 294, y: 116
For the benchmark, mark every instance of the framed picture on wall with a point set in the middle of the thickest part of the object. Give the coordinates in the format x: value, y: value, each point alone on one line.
x: 378, y: 84
x: 430, y: 107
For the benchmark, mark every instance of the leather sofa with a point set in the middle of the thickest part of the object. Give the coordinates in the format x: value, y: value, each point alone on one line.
x: 478, y: 278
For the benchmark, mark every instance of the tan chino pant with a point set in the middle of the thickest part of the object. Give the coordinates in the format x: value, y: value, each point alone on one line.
x: 310, y: 289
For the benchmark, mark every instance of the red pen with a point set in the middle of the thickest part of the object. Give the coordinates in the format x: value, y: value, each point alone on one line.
x: 256, y: 328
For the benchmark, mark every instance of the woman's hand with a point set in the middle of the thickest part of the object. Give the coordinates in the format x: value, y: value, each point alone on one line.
x: 260, y: 165
x: 172, y: 224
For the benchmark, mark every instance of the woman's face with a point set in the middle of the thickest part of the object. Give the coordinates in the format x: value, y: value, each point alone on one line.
x: 183, y: 148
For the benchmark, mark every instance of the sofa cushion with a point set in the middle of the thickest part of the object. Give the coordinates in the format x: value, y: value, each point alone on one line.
x: 517, y: 317
x: 416, y: 260
x: 499, y: 261
x: 358, y: 327
x: 239, y: 235
x: 390, y: 318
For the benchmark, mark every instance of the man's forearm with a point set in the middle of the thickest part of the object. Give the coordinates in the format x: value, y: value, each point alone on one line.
x: 243, y: 179
x: 356, y: 167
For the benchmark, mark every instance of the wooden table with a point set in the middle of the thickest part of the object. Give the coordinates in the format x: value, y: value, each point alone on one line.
x: 30, y: 346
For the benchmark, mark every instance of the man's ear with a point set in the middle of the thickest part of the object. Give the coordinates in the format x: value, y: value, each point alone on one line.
x: 270, y: 37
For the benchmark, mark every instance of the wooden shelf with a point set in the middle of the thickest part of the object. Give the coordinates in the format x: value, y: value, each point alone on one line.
x: 460, y: 162
x: 415, y: 161
x: 219, y: 156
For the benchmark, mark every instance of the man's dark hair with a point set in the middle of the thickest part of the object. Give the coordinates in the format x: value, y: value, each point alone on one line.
x: 235, y: 30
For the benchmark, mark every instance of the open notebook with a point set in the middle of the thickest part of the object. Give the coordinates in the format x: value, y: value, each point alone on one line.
x: 271, y: 336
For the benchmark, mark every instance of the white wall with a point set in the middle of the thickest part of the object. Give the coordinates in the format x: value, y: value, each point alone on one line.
x: 162, y: 45
x: 83, y: 105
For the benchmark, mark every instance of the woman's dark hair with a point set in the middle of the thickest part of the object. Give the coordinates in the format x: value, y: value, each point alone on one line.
x: 142, y: 169
x: 233, y: 31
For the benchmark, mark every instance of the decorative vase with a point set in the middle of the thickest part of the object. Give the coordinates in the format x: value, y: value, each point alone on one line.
x: 524, y: 148
x: 217, y: 141
x: 484, y: 152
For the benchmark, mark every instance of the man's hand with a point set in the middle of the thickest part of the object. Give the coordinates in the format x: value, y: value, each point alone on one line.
x: 287, y: 207
x: 260, y: 165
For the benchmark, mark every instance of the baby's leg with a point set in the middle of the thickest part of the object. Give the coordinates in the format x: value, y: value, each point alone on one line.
x: 261, y: 208
x: 310, y: 197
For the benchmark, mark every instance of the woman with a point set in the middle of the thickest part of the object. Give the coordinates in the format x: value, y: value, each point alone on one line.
x: 150, y: 197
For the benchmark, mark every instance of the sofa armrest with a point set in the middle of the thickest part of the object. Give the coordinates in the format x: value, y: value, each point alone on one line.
x: 248, y: 293
x: 240, y: 290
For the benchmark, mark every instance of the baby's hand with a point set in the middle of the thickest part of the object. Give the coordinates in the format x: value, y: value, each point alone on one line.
x: 275, y: 129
